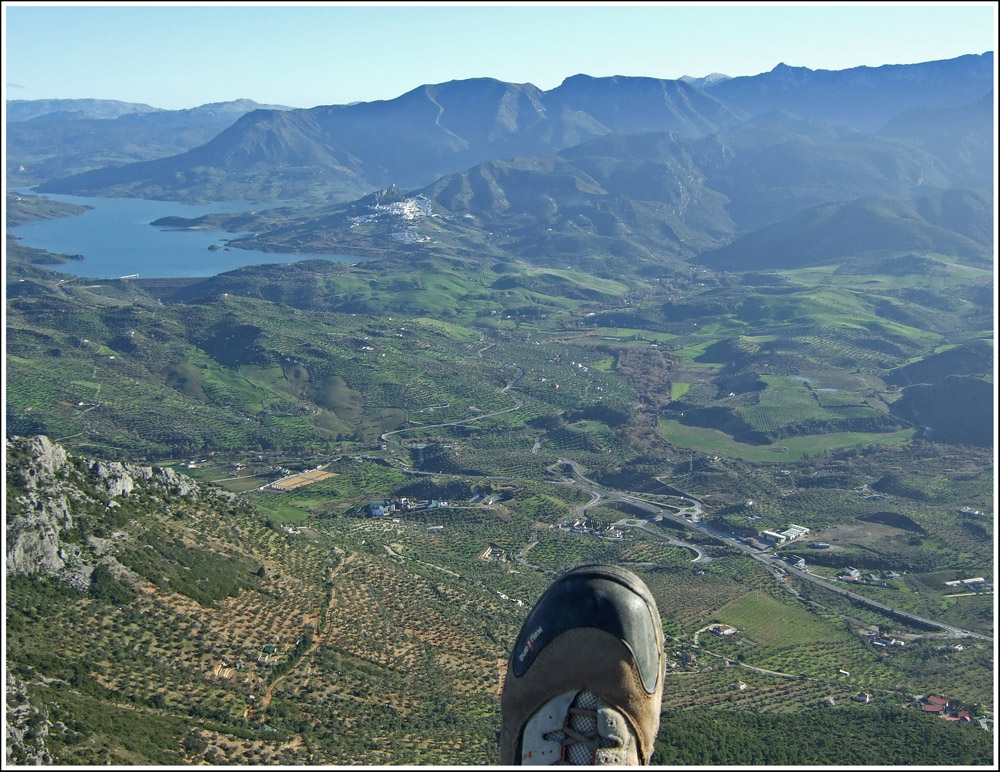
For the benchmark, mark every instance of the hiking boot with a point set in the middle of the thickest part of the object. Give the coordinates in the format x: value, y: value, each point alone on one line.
x: 585, y: 679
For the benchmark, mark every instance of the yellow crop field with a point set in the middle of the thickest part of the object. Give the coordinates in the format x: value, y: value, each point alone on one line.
x: 299, y: 480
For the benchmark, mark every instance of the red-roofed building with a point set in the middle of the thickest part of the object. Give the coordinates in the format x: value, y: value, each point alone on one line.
x: 940, y: 707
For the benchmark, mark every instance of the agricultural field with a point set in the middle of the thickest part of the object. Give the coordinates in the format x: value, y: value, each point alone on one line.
x: 714, y: 441
x: 435, y: 658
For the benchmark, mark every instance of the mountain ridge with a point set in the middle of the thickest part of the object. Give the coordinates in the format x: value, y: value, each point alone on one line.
x: 28, y: 109
x: 430, y: 131
x: 654, y: 197
x: 863, y: 97
x: 57, y: 143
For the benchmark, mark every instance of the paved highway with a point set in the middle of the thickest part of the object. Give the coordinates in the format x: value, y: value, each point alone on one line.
x: 690, y: 517
x: 693, y: 522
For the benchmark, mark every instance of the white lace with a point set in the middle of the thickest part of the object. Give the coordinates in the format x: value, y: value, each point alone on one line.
x: 579, y: 735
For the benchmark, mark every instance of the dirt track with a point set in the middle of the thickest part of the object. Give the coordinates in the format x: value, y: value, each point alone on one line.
x: 265, y: 699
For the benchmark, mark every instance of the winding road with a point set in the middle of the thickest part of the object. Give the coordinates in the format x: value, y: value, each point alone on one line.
x: 688, y: 516
x: 518, y: 404
x: 692, y: 521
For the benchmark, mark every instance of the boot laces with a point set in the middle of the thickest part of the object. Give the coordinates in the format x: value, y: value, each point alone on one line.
x: 579, y: 735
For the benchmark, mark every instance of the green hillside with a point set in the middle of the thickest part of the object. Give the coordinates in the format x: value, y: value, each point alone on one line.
x: 310, y: 355
x: 833, y: 233
x: 972, y: 358
x: 963, y: 407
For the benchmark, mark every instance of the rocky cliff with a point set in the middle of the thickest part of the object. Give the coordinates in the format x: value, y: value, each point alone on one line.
x: 63, y: 509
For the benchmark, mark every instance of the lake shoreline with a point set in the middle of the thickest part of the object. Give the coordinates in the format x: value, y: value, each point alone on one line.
x: 118, y: 237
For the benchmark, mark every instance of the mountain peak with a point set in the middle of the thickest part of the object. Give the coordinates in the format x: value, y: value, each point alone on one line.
x: 786, y: 69
x: 707, y: 80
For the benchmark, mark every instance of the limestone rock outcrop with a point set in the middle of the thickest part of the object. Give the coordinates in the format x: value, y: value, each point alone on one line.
x: 49, y: 488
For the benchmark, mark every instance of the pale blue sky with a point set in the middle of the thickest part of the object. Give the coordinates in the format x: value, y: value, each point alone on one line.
x: 178, y: 55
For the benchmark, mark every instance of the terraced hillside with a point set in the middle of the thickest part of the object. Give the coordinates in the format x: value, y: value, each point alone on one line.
x: 175, y: 624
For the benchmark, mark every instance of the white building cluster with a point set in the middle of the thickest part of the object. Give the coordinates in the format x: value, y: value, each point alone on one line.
x: 409, y: 209
x: 791, y: 533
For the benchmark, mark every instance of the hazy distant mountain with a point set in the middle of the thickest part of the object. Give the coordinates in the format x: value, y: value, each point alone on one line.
x: 777, y: 164
x: 644, y: 104
x: 694, y: 192
x: 591, y: 203
x: 589, y: 169
x: 72, y: 109
x: 342, y: 151
x: 955, y: 222
x: 18, y: 110
x: 862, y: 98
x: 336, y: 153
x: 49, y: 139
x: 660, y: 197
x: 707, y: 80
x: 963, y: 137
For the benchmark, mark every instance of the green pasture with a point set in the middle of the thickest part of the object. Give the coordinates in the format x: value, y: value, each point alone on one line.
x: 822, y: 305
x: 280, y: 509
x: 628, y: 333
x: 425, y: 292
x: 587, y: 280
x: 830, y: 276
x: 604, y: 364
x: 265, y: 378
x: 787, y: 401
x: 770, y: 622
x: 223, y: 385
x: 890, y: 329
x: 206, y: 473
x: 241, y: 484
x: 723, y: 327
x: 713, y: 441
x: 788, y: 393
x: 848, y: 384
x: 449, y: 329
x: 692, y: 351
x: 678, y: 389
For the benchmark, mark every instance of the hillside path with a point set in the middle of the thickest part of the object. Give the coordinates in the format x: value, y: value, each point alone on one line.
x: 265, y: 699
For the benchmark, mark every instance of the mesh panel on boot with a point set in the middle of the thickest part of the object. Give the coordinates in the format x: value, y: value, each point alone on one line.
x: 589, y: 731
x: 585, y: 724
